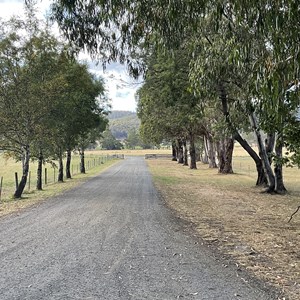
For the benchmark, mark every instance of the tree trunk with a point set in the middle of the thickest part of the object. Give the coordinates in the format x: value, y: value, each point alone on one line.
x: 279, y: 184
x: 193, y: 162
x: 82, y: 162
x: 220, y: 153
x: 180, y: 151
x: 225, y: 156
x: 261, y: 178
x: 68, y: 164
x: 270, y: 142
x: 39, y: 172
x: 203, y: 155
x: 263, y: 154
x: 174, y: 152
x: 60, y: 177
x: 185, y: 153
x: 25, y: 169
x: 211, y: 152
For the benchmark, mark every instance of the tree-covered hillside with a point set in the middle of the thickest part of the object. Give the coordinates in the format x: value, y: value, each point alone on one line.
x: 122, y: 122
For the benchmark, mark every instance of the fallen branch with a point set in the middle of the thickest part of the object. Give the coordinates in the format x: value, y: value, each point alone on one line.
x: 294, y: 214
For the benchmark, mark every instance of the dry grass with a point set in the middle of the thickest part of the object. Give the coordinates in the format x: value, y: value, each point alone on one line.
x: 232, y: 214
x: 129, y: 152
x: 31, y: 198
x: 8, y: 167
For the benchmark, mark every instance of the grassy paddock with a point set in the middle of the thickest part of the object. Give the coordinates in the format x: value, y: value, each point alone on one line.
x: 230, y: 213
x: 50, y: 190
x: 8, y: 167
x: 129, y: 152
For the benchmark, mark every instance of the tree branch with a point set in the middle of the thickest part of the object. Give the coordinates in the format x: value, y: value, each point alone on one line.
x: 294, y: 214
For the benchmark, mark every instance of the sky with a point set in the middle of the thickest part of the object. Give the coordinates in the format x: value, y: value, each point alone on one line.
x: 120, y: 87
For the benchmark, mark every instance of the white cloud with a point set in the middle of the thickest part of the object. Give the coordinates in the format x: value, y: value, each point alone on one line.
x: 120, y: 87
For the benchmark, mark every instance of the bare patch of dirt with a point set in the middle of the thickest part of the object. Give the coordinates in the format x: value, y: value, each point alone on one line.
x: 229, y: 212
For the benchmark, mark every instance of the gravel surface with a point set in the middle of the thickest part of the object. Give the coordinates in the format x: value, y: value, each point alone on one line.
x: 111, y: 238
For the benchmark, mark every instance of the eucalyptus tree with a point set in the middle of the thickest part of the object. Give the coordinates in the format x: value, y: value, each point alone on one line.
x: 117, y: 30
x: 166, y: 106
x: 80, y: 109
x: 28, y: 60
x: 223, y: 84
x: 89, y: 137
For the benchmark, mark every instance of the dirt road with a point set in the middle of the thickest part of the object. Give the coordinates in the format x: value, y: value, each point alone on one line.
x: 111, y: 238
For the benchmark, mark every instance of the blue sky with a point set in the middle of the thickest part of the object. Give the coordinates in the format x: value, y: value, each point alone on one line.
x: 120, y: 87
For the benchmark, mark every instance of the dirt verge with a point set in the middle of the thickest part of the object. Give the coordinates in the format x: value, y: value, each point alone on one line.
x: 233, y: 215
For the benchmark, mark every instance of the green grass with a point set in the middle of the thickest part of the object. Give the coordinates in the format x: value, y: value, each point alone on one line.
x: 166, y: 179
x: 8, y: 167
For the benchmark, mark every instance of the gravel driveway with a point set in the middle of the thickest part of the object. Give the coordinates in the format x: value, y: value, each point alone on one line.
x: 111, y: 238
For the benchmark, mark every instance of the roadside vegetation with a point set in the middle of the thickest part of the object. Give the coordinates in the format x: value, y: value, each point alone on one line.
x: 50, y: 104
x: 95, y: 164
x: 231, y: 215
x: 213, y: 72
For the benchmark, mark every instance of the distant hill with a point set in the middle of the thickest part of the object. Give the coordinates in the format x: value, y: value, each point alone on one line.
x: 121, y: 122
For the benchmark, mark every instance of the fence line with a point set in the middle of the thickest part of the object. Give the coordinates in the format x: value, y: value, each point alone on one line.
x: 50, y: 174
x: 1, y: 183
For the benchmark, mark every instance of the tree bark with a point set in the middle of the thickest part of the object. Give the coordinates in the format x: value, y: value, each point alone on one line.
x: 263, y: 154
x: 220, y: 153
x: 39, y: 172
x: 82, y: 162
x: 25, y: 169
x: 225, y: 156
x: 174, y: 152
x: 185, y: 153
x: 193, y: 162
x: 279, y: 184
x: 270, y: 143
x: 229, y: 145
x: 60, y: 177
x: 68, y: 164
x: 210, y: 152
x: 203, y: 155
x: 261, y: 178
x: 180, y: 151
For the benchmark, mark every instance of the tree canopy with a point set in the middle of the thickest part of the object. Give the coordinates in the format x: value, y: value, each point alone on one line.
x: 243, y: 62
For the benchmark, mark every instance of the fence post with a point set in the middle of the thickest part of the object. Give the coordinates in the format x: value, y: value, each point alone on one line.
x: 16, y: 180
x: 54, y: 175
x: 29, y: 178
x: 45, y: 176
x: 1, y: 182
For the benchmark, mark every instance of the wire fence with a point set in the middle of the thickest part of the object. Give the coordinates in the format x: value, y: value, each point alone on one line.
x: 49, y: 175
x: 245, y: 166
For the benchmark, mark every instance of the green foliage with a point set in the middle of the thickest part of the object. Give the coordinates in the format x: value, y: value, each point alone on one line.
x: 49, y: 103
x: 248, y: 52
x: 109, y: 142
x: 133, y: 139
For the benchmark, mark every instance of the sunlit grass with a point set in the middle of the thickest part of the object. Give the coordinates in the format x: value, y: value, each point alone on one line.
x: 9, y: 166
x: 231, y: 213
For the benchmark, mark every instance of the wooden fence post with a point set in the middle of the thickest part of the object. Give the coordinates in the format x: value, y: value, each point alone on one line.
x: 29, y: 178
x: 45, y: 176
x: 16, y: 180
x: 1, y: 183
